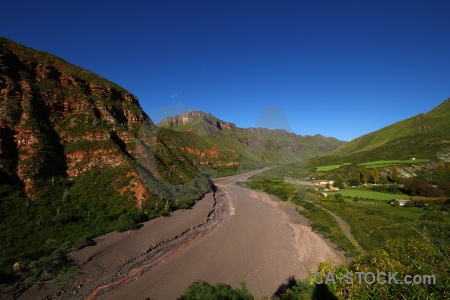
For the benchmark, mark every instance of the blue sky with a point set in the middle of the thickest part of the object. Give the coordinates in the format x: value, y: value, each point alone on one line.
x: 337, y: 68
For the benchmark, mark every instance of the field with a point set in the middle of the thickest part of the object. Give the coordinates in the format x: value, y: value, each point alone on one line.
x: 374, y: 164
x: 387, y: 163
x: 368, y: 194
x: 331, y: 167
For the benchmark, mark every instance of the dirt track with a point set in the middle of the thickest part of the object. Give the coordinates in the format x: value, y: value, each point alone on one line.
x: 263, y: 242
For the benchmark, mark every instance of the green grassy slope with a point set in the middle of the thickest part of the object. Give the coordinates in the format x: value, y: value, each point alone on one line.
x: 424, y: 136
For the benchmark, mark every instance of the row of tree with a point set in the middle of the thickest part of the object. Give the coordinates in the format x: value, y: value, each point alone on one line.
x: 364, y: 175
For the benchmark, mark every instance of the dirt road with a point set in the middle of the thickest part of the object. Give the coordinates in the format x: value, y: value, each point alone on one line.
x: 345, y: 228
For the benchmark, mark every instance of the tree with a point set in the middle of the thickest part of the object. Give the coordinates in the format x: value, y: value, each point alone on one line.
x: 353, y: 182
x: 364, y: 175
x: 375, y: 175
x: 338, y: 184
x: 442, y: 169
x: 394, y: 173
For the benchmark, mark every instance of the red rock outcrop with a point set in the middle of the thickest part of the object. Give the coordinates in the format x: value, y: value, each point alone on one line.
x: 64, y: 120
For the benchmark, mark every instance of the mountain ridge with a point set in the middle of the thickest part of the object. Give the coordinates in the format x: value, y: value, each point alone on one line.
x: 270, y: 146
x: 179, y: 120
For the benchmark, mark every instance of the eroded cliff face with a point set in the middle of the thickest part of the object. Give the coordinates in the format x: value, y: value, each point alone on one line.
x: 58, y: 120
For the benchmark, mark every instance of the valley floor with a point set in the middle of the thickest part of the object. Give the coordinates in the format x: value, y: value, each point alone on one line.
x: 262, y: 241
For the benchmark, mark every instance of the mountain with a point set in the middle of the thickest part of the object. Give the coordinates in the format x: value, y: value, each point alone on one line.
x: 78, y: 158
x: 426, y: 135
x: 225, y: 143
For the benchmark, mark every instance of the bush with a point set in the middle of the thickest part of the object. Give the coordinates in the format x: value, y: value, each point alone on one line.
x: 354, y: 182
x: 418, y: 257
x: 339, y: 184
x: 409, y: 204
x: 203, y: 290
x: 422, y: 188
x: 338, y: 196
x: 127, y: 221
x: 302, y: 290
x: 63, y: 218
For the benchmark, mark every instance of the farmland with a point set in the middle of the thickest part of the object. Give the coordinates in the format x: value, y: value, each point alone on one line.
x: 365, y: 194
x: 331, y: 167
x: 387, y: 163
x: 374, y: 164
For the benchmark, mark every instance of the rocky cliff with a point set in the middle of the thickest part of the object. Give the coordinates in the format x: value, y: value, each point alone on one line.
x: 59, y: 120
x: 78, y: 158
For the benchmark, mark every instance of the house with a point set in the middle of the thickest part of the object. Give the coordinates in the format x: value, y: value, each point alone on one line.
x: 323, y: 182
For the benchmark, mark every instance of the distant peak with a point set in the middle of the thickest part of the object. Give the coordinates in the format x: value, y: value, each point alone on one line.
x: 192, y: 116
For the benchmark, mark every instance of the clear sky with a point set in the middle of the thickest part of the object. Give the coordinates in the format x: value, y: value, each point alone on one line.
x: 338, y: 68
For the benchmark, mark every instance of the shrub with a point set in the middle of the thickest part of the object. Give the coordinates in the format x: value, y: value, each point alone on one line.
x: 338, y: 184
x: 338, y: 196
x: 203, y: 290
x: 354, y: 182
x: 406, y: 257
x: 409, y: 204
x: 422, y: 188
x: 127, y: 221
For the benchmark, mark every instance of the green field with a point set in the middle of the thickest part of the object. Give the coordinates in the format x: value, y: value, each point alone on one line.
x: 375, y: 164
x: 369, y: 194
x: 331, y: 167
x: 387, y: 163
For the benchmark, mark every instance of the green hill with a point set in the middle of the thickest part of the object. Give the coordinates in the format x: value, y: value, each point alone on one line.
x: 425, y: 136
